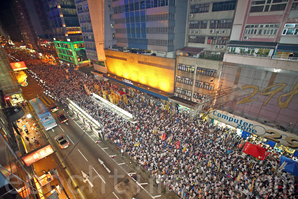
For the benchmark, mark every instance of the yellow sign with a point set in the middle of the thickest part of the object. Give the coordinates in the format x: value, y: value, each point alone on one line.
x: 282, y: 104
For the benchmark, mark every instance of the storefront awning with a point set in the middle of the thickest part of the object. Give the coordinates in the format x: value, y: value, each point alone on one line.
x: 288, y: 48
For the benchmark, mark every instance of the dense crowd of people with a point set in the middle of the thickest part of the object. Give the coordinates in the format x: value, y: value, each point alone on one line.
x: 192, y: 157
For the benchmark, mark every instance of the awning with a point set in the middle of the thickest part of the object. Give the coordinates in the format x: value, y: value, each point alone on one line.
x: 291, y: 166
x: 255, y: 151
x: 252, y: 44
x: 288, y: 48
x: 192, y: 50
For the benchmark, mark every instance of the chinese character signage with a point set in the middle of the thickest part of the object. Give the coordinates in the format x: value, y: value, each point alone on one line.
x: 37, y: 155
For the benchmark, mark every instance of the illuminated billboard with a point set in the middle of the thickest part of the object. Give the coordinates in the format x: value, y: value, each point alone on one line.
x: 38, y: 155
x: 16, y: 66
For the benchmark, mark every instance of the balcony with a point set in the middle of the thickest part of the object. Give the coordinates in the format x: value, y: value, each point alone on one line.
x: 87, y: 30
x: 275, y: 64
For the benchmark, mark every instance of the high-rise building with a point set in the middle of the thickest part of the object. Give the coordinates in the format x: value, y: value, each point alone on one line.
x: 25, y: 24
x: 209, y: 25
x: 259, y: 68
x: 157, y: 26
x: 66, y: 31
x: 97, y: 24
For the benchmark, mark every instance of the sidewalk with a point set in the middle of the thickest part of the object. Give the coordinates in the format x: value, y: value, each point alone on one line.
x: 42, y: 167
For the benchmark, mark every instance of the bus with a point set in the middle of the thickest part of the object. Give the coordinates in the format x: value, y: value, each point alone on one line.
x: 45, y: 117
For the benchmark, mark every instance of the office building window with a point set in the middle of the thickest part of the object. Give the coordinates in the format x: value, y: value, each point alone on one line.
x: 198, y: 24
x: 223, y: 6
x: 196, y: 39
x: 221, y: 24
x: 217, y: 40
x: 261, y: 29
x: 268, y: 6
x: 294, y: 6
x: 199, y: 8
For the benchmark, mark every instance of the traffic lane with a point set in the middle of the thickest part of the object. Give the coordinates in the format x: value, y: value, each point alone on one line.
x: 90, y: 155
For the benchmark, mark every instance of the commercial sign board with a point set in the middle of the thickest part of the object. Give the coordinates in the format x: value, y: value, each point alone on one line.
x: 38, y: 155
x: 275, y: 135
x: 18, y: 66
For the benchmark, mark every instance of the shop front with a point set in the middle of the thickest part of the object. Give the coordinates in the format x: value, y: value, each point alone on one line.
x: 275, y: 140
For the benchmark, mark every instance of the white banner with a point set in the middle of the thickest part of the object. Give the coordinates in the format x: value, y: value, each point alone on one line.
x: 275, y: 135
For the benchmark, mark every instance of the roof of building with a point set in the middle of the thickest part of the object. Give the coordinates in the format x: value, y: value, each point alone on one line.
x: 191, y: 50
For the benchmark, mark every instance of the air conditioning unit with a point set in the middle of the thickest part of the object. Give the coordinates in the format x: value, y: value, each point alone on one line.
x: 246, y: 37
x: 197, y: 31
x: 222, y: 47
x: 211, y: 31
x: 218, y: 32
x: 189, y: 31
x: 216, y: 46
x: 191, y: 16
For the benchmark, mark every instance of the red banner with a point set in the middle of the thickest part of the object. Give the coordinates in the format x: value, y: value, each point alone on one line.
x: 18, y: 66
x: 177, y: 145
x: 164, y: 136
x: 255, y: 151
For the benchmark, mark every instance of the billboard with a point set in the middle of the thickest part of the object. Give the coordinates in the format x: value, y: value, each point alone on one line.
x: 38, y: 155
x: 16, y: 66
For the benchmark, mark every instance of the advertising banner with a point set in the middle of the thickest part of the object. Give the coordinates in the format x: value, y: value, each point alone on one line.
x: 16, y: 66
x: 285, y: 138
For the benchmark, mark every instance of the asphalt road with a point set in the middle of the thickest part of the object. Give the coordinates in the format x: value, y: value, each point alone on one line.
x: 112, y: 179
x: 108, y: 180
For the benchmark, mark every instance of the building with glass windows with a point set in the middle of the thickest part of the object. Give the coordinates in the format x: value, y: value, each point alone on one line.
x: 98, y: 32
x: 157, y: 26
x: 72, y: 52
x: 67, y: 34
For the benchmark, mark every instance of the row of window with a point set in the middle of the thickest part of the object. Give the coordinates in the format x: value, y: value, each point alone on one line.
x: 219, y: 6
x: 199, y: 96
x: 137, y: 17
x: 62, y: 45
x: 160, y: 30
x: 86, y: 27
x: 183, y: 67
x: 184, y: 80
x: 158, y: 42
x: 83, y: 8
x: 68, y: 58
x: 142, y: 4
x: 214, y: 24
x: 183, y: 91
x: 205, y: 85
x: 290, y: 31
x: 67, y: 52
x: 90, y: 45
x: 206, y: 72
x: 68, y: 12
x: 85, y: 18
x: 249, y: 31
x: 88, y: 36
x: 91, y: 53
x: 268, y: 8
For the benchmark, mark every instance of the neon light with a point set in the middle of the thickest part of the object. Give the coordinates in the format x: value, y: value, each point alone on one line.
x: 37, y: 155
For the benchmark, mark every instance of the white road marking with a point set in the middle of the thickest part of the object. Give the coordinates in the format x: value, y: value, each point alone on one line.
x: 82, y: 155
x: 130, y: 174
x: 121, y: 163
x: 69, y: 139
x: 105, y: 148
x: 61, y: 128
x: 144, y: 183
x: 99, y: 175
x: 156, y: 196
x: 112, y: 156
x: 115, y: 195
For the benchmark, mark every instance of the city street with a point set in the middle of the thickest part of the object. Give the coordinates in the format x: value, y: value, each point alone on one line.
x: 96, y: 170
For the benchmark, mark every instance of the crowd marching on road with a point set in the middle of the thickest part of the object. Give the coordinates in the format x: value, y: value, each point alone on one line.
x: 192, y: 157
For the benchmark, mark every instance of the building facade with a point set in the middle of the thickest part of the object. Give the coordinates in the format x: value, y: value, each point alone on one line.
x: 259, y: 66
x: 98, y: 32
x: 157, y: 26
x: 209, y: 26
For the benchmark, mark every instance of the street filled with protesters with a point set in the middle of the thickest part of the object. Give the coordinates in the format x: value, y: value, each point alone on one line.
x: 189, y: 156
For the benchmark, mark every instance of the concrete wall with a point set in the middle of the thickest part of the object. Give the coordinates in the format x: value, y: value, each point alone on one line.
x: 156, y: 72
x: 278, y: 105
